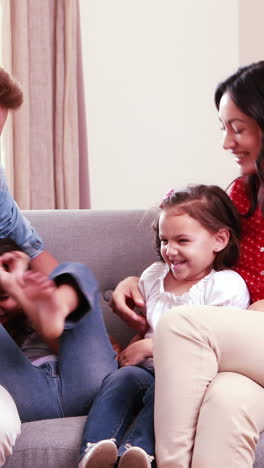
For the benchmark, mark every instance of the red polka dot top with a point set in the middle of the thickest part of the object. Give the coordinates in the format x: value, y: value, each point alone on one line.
x: 251, y: 263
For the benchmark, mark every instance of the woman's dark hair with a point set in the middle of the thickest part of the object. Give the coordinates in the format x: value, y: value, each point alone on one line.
x: 212, y: 208
x: 246, y: 89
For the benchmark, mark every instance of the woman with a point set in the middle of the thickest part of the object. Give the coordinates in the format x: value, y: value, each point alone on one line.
x: 209, y: 407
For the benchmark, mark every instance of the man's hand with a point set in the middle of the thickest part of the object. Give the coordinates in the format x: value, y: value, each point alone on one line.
x: 125, y: 297
x: 136, y: 352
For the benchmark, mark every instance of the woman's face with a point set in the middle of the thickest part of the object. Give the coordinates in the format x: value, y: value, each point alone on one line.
x: 242, y: 135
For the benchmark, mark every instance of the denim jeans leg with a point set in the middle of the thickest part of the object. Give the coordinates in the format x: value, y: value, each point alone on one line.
x: 34, y: 389
x: 85, y: 358
x: 117, y: 403
x: 86, y: 355
x: 141, y: 433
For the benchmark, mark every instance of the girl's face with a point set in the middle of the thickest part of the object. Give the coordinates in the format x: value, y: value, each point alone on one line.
x: 242, y: 135
x: 186, y: 246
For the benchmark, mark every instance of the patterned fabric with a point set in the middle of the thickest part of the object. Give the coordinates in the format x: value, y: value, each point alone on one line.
x: 251, y: 264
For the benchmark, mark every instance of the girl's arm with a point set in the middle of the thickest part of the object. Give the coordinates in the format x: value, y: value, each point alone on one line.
x: 136, y: 353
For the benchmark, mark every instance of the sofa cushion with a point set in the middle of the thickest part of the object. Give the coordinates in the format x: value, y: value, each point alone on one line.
x: 52, y: 443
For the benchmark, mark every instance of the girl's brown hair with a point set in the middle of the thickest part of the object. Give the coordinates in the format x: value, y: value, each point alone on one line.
x: 213, y: 209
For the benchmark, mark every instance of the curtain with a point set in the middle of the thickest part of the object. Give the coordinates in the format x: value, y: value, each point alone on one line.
x: 49, y: 160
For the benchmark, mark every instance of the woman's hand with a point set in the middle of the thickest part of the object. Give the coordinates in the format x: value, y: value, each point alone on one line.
x: 125, y: 297
x: 136, y: 352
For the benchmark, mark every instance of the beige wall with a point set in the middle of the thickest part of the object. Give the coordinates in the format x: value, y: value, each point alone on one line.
x: 251, y: 30
x: 151, y: 67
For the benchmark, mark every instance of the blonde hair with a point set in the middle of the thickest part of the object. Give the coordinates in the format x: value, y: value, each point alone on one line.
x: 11, y: 95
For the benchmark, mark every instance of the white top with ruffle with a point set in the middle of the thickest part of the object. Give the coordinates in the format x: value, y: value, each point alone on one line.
x: 219, y: 288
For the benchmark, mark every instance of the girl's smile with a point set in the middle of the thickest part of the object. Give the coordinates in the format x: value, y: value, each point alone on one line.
x: 186, y: 246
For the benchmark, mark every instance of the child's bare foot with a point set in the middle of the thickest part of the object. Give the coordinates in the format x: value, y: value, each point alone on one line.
x: 40, y: 302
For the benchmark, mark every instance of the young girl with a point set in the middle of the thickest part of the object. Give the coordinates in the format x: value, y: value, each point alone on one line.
x: 197, y: 238
x: 54, y: 348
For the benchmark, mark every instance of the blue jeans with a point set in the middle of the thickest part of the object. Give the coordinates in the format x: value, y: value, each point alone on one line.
x: 126, y: 397
x: 66, y: 387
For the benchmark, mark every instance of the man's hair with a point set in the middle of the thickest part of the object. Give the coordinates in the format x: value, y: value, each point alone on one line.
x: 11, y: 95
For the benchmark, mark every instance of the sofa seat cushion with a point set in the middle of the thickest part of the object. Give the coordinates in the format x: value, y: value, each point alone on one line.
x: 52, y: 443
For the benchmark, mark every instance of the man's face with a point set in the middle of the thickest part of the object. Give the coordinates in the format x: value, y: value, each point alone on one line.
x: 3, y: 117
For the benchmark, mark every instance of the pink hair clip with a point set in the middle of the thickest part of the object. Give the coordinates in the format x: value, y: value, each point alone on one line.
x: 168, y: 195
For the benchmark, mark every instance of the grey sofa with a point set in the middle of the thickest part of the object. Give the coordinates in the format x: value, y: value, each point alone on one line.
x: 114, y: 244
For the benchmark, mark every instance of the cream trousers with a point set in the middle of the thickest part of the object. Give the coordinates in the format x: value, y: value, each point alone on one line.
x: 10, y: 425
x: 209, y: 373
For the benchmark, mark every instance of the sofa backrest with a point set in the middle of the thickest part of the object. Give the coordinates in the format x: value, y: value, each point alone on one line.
x: 114, y: 244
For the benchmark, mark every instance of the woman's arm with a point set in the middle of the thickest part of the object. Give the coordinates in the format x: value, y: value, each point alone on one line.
x: 125, y: 297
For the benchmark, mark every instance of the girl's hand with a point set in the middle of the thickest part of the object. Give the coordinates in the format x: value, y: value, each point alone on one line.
x: 136, y: 352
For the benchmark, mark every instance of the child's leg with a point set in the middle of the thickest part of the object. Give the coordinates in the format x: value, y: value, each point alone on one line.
x: 85, y: 352
x: 45, y: 304
x: 191, y: 345
x: 34, y: 390
x: 118, y: 401
x: 86, y: 357
x: 141, y: 433
x: 10, y: 425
